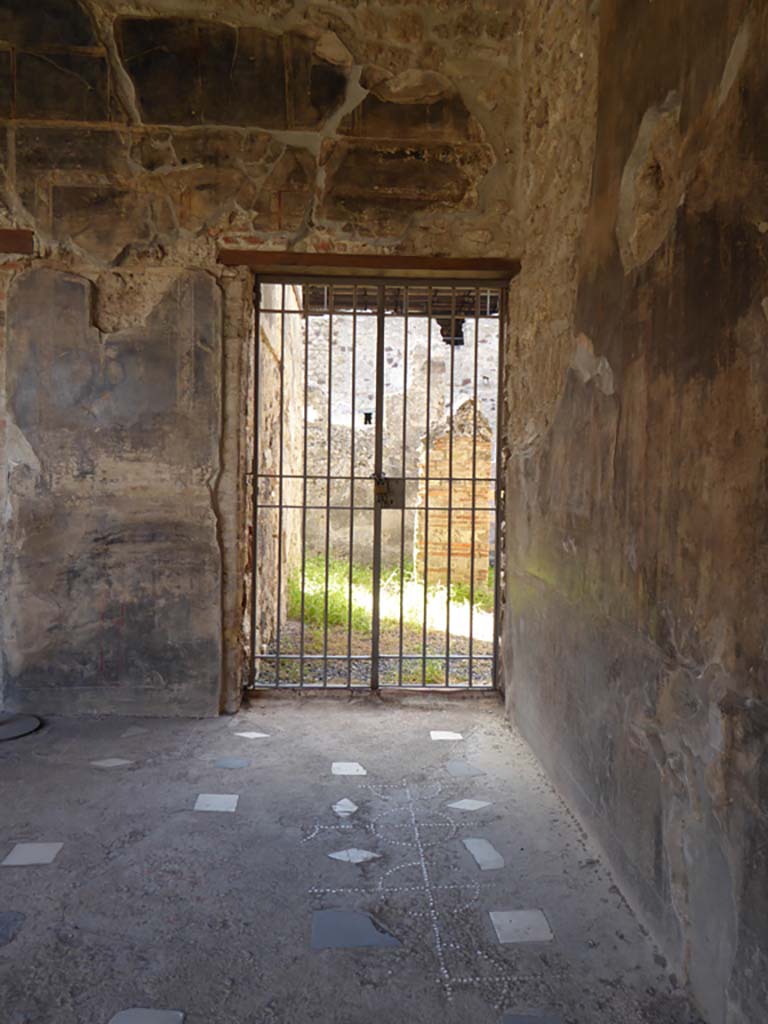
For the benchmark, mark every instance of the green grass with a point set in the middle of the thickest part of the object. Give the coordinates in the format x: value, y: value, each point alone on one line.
x: 434, y: 675
x: 338, y: 607
x: 338, y: 594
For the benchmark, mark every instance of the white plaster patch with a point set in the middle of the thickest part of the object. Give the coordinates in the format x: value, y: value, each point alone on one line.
x: 24, y: 854
x: 485, y: 854
x: 521, y: 926
x: 253, y: 735
x: 437, y: 734
x: 345, y: 808
x: 111, y: 762
x: 354, y: 855
x: 589, y: 367
x: 348, y: 768
x: 469, y: 805
x: 217, y: 802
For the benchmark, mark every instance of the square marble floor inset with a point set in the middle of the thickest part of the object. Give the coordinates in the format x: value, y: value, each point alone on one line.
x: 521, y: 926
x: 349, y: 929
x: 32, y: 853
x: 217, y: 802
x: 139, y: 1016
x: 485, y: 854
x: 111, y: 762
x: 347, y: 768
x: 439, y: 734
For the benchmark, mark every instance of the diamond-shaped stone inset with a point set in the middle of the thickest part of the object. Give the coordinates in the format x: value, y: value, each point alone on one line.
x: 354, y: 855
x: 469, y: 805
x: 521, y: 926
x: 111, y: 762
x: 24, y: 854
x: 253, y: 735
x: 345, y: 808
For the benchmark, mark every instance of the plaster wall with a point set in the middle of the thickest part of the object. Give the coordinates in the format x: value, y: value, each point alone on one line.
x: 636, y: 475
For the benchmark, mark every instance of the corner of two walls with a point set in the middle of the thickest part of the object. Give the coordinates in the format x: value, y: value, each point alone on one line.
x: 637, y: 554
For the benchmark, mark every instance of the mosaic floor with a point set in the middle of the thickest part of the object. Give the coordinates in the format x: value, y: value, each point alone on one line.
x: 308, y: 861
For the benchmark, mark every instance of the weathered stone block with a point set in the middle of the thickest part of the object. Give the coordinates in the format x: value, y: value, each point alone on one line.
x: 62, y: 86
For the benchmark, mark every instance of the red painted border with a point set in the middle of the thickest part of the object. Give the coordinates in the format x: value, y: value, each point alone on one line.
x: 18, y: 241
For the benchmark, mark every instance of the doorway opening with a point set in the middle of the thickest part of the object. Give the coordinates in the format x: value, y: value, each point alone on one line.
x: 376, y: 492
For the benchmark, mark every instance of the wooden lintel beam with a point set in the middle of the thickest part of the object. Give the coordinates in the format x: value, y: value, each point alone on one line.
x: 335, y: 263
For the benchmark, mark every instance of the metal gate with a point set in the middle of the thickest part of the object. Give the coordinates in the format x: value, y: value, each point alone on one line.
x: 376, y: 493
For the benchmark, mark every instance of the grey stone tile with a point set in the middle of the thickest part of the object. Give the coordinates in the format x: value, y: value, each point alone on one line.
x: 10, y: 925
x: 521, y: 926
x: 232, y: 762
x: 139, y: 1016
x: 348, y: 929
x: 462, y: 770
x: 530, y: 1018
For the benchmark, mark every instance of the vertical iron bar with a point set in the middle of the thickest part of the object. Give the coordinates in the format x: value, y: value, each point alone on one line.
x: 427, y: 443
x: 352, y: 485
x: 450, y: 490
x: 500, y: 489
x: 377, y: 474
x: 305, y: 311
x: 278, y: 637
x: 403, y: 473
x: 255, y: 476
x: 328, y: 441
x: 474, y: 489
